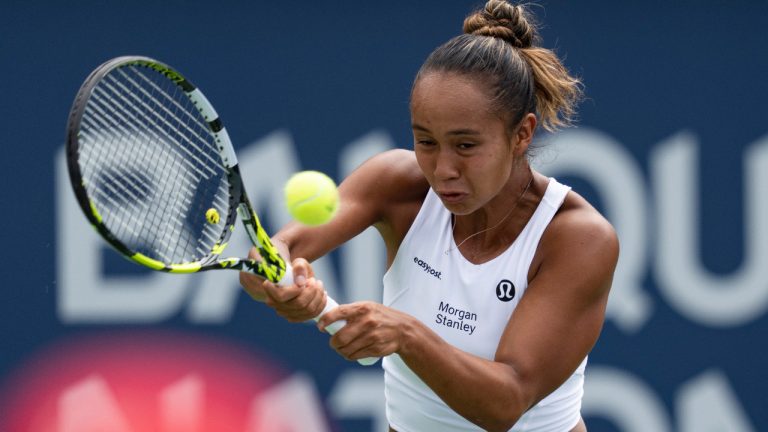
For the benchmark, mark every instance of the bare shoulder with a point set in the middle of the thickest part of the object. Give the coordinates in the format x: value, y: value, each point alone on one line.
x: 579, y: 240
x: 386, y: 182
x: 392, y: 174
x: 578, y: 219
x: 392, y: 188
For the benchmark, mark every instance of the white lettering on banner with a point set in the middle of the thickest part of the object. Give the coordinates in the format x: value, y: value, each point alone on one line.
x: 623, y: 399
x: 364, y: 256
x: 84, y: 294
x: 360, y: 394
x: 617, y: 178
x: 703, y: 297
x: 182, y: 405
x: 291, y: 406
x: 705, y: 403
x: 89, y: 405
x: 87, y: 295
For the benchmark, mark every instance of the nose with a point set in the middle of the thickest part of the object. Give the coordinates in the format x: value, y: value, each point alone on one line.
x: 446, y: 166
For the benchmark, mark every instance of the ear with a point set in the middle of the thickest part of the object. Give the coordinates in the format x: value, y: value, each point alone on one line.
x: 524, y: 134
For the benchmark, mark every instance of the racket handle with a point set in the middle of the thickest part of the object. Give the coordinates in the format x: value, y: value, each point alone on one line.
x: 330, y: 303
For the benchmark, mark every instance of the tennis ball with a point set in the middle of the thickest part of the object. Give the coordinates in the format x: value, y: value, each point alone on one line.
x: 212, y: 216
x: 311, y: 197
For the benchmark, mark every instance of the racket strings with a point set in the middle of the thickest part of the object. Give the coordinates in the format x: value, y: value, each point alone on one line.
x: 150, y: 166
x: 125, y: 178
x: 171, y: 121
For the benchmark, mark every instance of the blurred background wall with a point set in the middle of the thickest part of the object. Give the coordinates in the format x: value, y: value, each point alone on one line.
x: 671, y: 145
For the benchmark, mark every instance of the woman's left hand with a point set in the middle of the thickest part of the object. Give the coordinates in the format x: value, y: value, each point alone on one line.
x: 372, y: 330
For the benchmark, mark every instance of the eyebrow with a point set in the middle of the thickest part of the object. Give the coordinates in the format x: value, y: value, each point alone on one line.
x: 453, y: 132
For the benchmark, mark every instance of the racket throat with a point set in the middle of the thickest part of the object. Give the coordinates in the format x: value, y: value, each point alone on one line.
x: 273, y: 267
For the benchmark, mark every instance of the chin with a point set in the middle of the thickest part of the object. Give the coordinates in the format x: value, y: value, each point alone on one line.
x: 458, y: 209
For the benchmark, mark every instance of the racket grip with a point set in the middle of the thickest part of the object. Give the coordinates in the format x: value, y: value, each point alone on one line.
x: 329, y: 304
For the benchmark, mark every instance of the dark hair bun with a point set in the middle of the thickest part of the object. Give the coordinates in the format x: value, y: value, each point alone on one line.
x: 503, y: 20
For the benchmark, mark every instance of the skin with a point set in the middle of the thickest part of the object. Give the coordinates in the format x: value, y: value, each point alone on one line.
x: 466, y: 152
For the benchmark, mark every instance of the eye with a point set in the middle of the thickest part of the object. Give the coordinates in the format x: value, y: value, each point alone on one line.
x: 465, y: 145
x: 425, y: 142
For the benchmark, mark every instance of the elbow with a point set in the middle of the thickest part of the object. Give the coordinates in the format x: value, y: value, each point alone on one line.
x: 501, y: 416
x: 502, y: 422
x: 499, y: 427
x: 503, y: 413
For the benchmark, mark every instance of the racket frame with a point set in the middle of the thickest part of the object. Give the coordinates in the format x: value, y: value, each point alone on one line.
x: 271, y: 266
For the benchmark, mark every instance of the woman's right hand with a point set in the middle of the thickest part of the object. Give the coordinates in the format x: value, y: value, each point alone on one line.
x: 302, y: 301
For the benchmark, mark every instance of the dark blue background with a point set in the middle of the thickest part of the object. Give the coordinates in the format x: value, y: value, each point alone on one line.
x: 330, y: 72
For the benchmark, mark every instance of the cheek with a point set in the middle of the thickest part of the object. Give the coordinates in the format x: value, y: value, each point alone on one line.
x: 491, y: 178
x: 426, y: 165
x: 422, y: 161
x: 497, y: 167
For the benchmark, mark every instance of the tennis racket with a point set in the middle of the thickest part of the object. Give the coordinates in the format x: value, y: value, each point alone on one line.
x: 155, y: 173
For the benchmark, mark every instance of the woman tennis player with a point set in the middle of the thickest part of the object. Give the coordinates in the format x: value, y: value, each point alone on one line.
x: 498, y: 276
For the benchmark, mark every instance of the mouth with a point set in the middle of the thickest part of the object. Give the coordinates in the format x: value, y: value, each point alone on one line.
x: 451, y: 197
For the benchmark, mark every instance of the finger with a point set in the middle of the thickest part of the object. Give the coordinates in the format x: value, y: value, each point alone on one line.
x: 303, y: 308
x: 249, y: 280
x: 317, y: 303
x: 305, y: 299
x: 302, y: 271
x: 358, y: 349
x: 268, y: 288
x: 355, y: 343
x: 280, y: 294
x: 364, y: 339
x: 253, y: 286
x: 342, y: 312
x: 254, y: 254
x: 314, y: 298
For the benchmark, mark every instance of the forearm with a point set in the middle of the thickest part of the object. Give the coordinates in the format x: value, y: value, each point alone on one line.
x: 311, y: 243
x: 489, y: 394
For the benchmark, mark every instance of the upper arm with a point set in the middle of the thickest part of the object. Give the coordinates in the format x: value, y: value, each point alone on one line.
x: 370, y: 195
x: 559, y: 318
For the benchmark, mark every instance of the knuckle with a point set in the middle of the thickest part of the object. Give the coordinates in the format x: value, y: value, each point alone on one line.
x: 304, y: 303
x: 373, y: 338
x: 370, y: 324
x: 364, y: 308
x: 333, y: 341
x: 283, y: 295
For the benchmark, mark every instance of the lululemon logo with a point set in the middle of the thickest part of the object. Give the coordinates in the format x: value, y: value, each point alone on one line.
x: 505, y: 290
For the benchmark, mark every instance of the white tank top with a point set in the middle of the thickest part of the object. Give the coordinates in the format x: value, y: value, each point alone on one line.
x: 469, y: 306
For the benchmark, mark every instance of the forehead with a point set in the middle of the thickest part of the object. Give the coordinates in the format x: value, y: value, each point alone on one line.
x: 439, y: 96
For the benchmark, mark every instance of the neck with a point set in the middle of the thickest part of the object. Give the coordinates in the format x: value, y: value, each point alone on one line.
x: 496, y: 222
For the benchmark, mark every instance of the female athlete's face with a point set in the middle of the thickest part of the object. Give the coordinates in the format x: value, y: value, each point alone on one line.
x: 463, y: 147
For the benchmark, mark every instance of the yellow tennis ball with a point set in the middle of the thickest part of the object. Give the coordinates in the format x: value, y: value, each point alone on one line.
x: 212, y: 216
x: 311, y: 197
